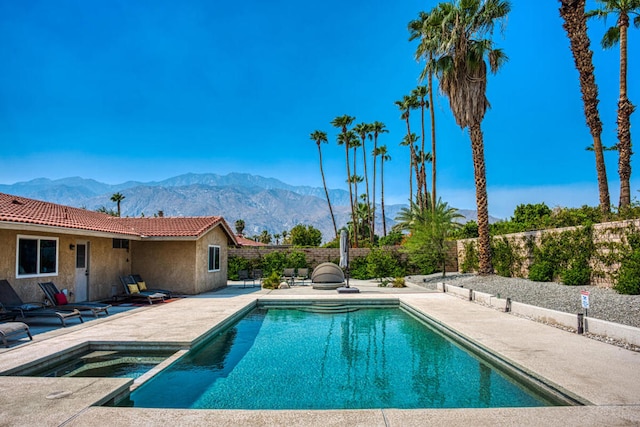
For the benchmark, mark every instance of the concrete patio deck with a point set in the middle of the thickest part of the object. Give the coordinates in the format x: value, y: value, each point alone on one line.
x: 604, y: 376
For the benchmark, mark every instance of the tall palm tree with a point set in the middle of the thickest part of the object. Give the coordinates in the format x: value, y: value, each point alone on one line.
x: 575, y: 24
x: 117, y: 198
x: 382, y: 152
x: 409, y: 140
x: 343, y: 123
x: 420, y: 94
x: 467, y: 27
x: 319, y: 137
x: 425, y: 29
x: 613, y: 36
x: 364, y: 131
x: 406, y: 104
x: 376, y: 128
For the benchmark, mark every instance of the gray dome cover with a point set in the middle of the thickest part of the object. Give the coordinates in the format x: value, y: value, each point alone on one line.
x: 327, y: 272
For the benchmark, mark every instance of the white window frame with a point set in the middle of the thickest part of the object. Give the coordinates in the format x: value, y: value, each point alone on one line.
x: 38, y: 239
x: 213, y: 247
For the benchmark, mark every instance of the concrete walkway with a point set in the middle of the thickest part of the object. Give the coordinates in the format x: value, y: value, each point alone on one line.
x: 604, y: 376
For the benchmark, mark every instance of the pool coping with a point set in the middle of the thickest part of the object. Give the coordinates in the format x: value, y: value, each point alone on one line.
x: 23, y: 398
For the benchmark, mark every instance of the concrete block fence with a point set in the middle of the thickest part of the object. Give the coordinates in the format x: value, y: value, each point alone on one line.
x: 315, y: 255
x: 604, y: 234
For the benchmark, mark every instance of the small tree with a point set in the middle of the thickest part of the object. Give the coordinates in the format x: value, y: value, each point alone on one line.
x: 302, y: 235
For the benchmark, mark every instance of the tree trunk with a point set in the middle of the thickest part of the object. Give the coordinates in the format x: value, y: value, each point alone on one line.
x: 384, y: 220
x: 575, y: 24
x: 326, y: 192
x: 484, y: 242
x: 373, y: 204
x: 433, y: 144
x: 625, y: 109
x: 353, y: 212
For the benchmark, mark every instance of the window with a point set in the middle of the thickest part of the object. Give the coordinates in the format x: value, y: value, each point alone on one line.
x: 37, y: 256
x: 120, y: 243
x: 214, y: 258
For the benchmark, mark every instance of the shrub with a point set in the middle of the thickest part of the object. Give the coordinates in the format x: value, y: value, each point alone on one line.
x: 628, y: 277
x: 577, y: 275
x: 381, y: 264
x: 272, y: 281
x: 471, y: 261
x: 541, y: 272
x: 358, y: 268
x: 505, y: 259
x: 236, y: 264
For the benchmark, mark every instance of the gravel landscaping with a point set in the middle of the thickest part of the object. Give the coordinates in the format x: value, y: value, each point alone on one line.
x: 605, y: 304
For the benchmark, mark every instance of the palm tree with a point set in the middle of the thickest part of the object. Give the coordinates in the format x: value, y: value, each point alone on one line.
x: 424, y: 29
x: 239, y: 226
x: 117, y: 198
x: 319, y: 137
x: 343, y: 123
x: 277, y: 237
x: 467, y: 26
x: 409, y: 140
x: 420, y: 93
x: 363, y: 130
x: 377, y: 128
x: 382, y: 152
x: 614, y: 35
x: 406, y: 104
x: 575, y: 24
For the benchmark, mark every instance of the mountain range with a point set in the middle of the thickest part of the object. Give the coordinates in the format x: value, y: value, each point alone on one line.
x: 262, y: 203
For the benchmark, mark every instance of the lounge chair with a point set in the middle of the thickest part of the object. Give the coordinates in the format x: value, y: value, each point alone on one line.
x: 132, y: 291
x: 9, y: 329
x: 58, y: 300
x: 288, y: 275
x: 302, y: 275
x: 14, y: 304
x: 244, y: 276
x: 142, y: 285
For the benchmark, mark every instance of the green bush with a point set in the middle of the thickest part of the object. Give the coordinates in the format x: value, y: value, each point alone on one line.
x: 628, y: 277
x: 505, y: 259
x: 272, y: 281
x: 235, y: 264
x: 381, y: 263
x: 577, y: 275
x: 358, y: 268
x: 541, y: 272
x: 471, y: 261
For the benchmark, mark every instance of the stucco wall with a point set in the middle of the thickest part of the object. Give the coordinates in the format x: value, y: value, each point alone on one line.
x: 180, y: 266
x: 105, y: 264
x: 205, y: 280
x: 165, y: 264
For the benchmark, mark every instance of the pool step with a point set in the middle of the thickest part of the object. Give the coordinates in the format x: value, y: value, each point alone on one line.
x: 328, y: 308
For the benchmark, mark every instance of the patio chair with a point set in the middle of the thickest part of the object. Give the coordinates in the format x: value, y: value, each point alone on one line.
x: 142, y: 285
x: 256, y: 274
x: 244, y: 276
x: 59, y: 301
x: 14, y: 304
x: 9, y: 329
x: 132, y: 291
x: 302, y: 275
x: 288, y: 275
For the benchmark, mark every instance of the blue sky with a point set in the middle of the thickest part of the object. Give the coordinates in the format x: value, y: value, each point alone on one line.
x: 144, y: 90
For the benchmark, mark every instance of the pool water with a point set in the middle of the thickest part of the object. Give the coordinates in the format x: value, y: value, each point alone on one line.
x: 105, y: 363
x: 369, y: 358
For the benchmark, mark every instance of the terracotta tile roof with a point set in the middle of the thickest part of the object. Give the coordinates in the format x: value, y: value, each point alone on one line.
x: 29, y: 211
x: 172, y: 226
x: 242, y: 241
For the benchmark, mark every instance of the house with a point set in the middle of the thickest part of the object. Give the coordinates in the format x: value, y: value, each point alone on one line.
x: 85, y: 252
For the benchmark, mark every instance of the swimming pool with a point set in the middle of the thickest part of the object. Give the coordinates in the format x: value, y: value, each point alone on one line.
x: 362, y: 358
